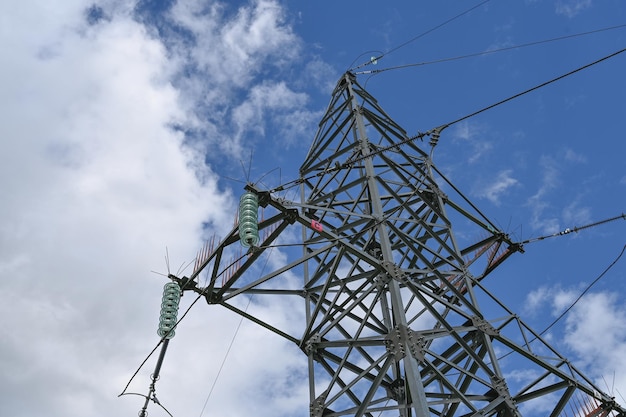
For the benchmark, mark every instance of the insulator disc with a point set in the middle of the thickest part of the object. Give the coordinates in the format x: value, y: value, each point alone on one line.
x: 169, y: 310
x: 248, y: 219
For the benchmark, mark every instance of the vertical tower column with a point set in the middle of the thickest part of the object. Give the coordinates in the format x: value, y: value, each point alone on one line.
x: 411, y: 368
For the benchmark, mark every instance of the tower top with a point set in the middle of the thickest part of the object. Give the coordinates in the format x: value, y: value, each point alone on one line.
x: 396, y: 318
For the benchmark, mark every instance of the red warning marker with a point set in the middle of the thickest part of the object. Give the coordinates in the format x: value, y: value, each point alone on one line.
x: 315, y: 225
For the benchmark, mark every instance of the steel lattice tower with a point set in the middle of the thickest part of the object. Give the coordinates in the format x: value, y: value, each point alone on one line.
x: 395, y: 318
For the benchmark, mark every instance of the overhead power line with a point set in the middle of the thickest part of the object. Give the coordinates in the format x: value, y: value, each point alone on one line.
x: 435, y: 132
x: 560, y: 77
x: 574, y: 229
x: 421, y: 35
x: 584, y: 292
x: 491, y: 51
x: 569, y: 308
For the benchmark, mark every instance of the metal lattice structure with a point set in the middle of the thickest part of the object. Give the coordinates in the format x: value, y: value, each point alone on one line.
x: 395, y: 316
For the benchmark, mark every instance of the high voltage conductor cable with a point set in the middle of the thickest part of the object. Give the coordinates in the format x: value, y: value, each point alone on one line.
x: 161, y: 341
x: 607, y: 269
x: 574, y: 229
x: 568, y: 309
x: 537, y: 87
x: 293, y: 183
x: 435, y: 132
x: 164, y: 338
x: 375, y: 59
x: 491, y: 51
x: 202, y: 293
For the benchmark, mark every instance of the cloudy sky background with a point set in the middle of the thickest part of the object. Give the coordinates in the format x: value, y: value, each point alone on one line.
x: 128, y: 129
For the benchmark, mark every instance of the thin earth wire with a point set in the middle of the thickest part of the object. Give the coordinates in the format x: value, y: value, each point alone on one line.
x: 421, y: 35
x: 560, y: 77
x: 200, y: 295
x: 607, y: 269
x: 260, y: 180
x: 421, y: 135
x: 567, y: 310
x: 491, y: 51
x: 233, y: 179
x: 232, y: 341
x: 219, y: 371
x: 364, y: 53
x: 331, y: 240
x: 250, y: 166
x: 613, y: 383
x: 434, y: 133
x: 245, y: 173
x: 157, y: 346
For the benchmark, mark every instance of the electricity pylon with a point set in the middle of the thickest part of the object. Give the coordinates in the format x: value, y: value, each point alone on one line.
x: 395, y: 318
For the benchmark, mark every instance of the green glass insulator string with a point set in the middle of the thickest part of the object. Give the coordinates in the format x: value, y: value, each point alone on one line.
x: 249, y: 219
x: 169, y: 310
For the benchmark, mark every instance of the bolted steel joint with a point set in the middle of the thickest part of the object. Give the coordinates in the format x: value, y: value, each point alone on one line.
x: 318, y: 408
x: 395, y: 342
x: 310, y: 347
x: 484, y: 326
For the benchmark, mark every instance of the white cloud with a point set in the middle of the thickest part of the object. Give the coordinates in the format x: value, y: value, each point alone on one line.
x: 97, y: 183
x: 494, y: 190
x: 322, y: 75
x: 265, y: 101
x: 554, y: 298
x: 572, y: 156
x: 576, y: 215
x: 571, y: 8
x: 231, y: 50
x: 593, y: 330
x: 232, y: 70
x: 538, y: 202
x: 535, y: 300
x: 562, y: 299
x: 572, y: 101
x: 544, y: 203
x: 473, y: 134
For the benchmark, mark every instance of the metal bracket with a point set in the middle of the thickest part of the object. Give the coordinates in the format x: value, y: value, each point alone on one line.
x: 499, y: 385
x: 212, y: 297
x: 395, y: 342
x: 484, y: 326
x: 401, y: 339
x: 317, y: 406
x: 394, y: 271
x: 310, y: 346
x: 397, y: 390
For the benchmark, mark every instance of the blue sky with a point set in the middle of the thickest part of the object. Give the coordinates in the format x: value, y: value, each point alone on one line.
x: 129, y: 127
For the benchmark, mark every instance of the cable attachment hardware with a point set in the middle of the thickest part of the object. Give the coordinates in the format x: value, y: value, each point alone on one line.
x: 435, y: 134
